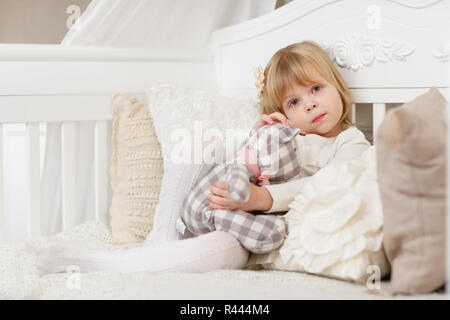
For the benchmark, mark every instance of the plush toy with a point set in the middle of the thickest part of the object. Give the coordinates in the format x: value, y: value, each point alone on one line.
x: 269, y: 156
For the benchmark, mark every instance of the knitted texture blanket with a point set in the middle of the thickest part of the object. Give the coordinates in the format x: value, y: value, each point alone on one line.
x: 19, y: 278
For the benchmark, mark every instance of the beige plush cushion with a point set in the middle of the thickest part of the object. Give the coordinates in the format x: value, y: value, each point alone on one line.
x: 136, y: 170
x: 411, y: 167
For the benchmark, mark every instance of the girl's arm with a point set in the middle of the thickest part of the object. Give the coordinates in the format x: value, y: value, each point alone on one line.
x: 284, y: 193
x: 219, y: 198
x: 275, y: 197
x: 270, y: 198
x: 260, y: 199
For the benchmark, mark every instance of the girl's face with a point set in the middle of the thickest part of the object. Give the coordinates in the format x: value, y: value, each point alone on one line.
x: 314, y: 109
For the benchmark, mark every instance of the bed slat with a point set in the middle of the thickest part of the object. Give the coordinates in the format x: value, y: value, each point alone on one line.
x: 353, y: 113
x: 68, y: 175
x: 33, y: 179
x: 378, y: 111
x: 101, y: 171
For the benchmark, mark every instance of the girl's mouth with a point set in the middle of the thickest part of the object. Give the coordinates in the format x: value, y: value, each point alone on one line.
x: 318, y: 118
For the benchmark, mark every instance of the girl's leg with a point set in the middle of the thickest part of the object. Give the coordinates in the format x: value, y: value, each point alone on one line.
x: 207, y: 252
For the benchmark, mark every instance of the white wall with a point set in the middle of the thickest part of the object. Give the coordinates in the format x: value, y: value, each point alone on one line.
x: 35, y: 21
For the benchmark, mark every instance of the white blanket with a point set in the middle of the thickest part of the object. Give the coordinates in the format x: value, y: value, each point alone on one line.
x: 19, y: 279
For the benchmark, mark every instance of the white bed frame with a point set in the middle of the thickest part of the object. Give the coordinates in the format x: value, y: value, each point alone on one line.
x: 388, y: 51
x: 45, y: 83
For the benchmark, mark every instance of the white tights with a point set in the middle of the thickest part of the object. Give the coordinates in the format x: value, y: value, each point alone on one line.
x: 207, y: 252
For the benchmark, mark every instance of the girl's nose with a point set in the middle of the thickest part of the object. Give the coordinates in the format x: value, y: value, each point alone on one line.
x: 310, y: 106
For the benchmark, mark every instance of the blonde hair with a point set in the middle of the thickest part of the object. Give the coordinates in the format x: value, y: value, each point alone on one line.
x: 295, y: 64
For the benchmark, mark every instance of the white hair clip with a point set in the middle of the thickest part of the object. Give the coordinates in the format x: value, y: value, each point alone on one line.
x: 258, y: 72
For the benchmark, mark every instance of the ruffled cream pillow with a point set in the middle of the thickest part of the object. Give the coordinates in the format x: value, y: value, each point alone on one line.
x: 335, y: 225
x: 136, y: 170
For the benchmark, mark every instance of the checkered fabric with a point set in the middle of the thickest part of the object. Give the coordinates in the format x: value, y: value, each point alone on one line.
x: 238, y: 178
x: 258, y: 233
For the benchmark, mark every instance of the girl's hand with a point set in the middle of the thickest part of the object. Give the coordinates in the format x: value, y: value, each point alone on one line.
x: 219, y: 197
x: 270, y: 119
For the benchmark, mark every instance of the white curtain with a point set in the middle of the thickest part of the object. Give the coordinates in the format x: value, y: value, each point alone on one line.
x: 169, y: 24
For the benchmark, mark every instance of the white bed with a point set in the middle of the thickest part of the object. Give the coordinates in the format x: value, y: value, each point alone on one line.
x: 389, y: 52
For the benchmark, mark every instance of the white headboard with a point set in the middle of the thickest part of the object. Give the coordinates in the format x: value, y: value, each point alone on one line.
x: 387, y: 51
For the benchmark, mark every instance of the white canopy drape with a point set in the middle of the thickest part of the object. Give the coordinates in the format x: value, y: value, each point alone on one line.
x: 168, y: 24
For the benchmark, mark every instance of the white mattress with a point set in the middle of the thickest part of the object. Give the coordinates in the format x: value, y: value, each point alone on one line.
x: 19, y: 279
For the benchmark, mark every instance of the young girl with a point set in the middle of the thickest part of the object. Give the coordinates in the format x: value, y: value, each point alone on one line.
x: 300, y: 87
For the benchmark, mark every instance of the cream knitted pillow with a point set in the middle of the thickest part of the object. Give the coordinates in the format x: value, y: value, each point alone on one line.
x: 136, y: 170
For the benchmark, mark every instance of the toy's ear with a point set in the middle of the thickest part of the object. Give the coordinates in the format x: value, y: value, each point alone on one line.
x: 287, y: 133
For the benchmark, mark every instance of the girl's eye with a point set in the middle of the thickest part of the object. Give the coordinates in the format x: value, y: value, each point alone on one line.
x: 293, y: 102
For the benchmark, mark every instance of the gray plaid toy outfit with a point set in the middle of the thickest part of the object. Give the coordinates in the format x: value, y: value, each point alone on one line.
x: 273, y: 149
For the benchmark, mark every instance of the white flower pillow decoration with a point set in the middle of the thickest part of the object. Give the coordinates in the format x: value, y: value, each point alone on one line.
x: 335, y: 224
